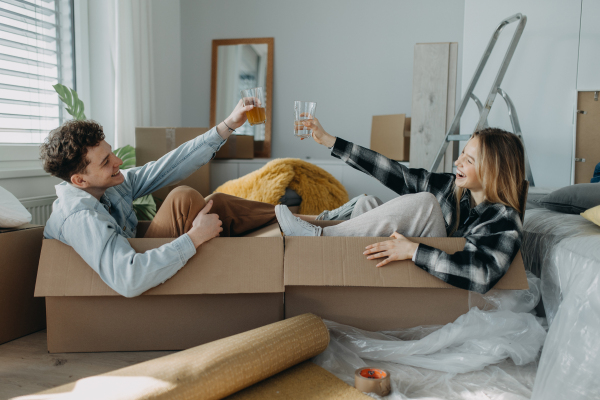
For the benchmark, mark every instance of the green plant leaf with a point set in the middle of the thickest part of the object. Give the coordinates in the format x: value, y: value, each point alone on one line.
x: 60, y: 89
x: 76, y: 102
x: 78, y: 105
x: 74, y: 105
x: 145, y: 208
x: 127, y: 155
x: 81, y: 112
x: 147, y: 200
x: 68, y: 98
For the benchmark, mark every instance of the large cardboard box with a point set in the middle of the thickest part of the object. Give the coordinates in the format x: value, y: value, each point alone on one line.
x: 390, y: 136
x: 237, y: 146
x: 330, y: 277
x: 230, y: 286
x: 235, y: 284
x: 20, y: 313
x: 153, y: 143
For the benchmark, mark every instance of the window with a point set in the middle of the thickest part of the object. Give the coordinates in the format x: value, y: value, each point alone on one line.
x: 36, y: 52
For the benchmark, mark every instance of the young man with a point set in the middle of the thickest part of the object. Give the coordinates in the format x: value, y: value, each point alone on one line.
x: 94, y: 211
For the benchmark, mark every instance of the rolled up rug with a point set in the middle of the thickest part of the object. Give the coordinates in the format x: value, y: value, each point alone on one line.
x: 211, y: 371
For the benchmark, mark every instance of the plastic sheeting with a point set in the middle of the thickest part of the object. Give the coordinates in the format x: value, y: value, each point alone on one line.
x: 483, y: 354
x: 565, y: 250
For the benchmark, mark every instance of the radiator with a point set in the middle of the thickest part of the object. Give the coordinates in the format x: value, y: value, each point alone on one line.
x: 39, y: 207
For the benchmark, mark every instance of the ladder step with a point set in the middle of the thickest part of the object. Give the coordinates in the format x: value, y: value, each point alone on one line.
x: 457, y: 138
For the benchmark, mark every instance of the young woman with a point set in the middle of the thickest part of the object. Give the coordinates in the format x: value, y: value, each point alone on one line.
x: 480, y: 203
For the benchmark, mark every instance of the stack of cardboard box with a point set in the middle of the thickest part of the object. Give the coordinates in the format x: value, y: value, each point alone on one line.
x: 20, y: 312
x: 390, y: 136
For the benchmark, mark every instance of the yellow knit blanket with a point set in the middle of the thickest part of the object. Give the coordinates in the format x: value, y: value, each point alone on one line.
x: 318, y: 188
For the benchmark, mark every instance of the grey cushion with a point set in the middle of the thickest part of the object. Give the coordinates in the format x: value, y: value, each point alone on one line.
x: 536, y: 193
x: 572, y: 199
x: 290, y: 198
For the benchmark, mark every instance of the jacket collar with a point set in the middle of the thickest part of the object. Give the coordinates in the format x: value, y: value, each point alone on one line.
x: 466, y: 201
x: 66, y: 191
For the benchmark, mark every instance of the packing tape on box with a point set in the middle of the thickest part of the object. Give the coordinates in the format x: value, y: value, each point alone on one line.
x: 210, y: 371
x: 170, y: 139
x: 373, y: 380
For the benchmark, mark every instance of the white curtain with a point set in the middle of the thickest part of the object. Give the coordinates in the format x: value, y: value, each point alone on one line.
x: 131, y: 51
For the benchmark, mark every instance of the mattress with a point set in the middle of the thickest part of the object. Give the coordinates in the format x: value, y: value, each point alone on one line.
x: 564, y: 250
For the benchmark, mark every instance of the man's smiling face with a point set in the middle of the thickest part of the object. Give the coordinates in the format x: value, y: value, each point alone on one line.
x: 102, y: 172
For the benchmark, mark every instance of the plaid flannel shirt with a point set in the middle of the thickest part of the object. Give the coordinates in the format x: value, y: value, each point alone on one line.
x: 493, y: 231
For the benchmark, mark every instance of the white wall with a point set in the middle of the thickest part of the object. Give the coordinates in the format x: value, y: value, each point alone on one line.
x: 353, y: 58
x: 101, y: 29
x: 541, y: 79
x: 588, y: 76
x: 166, y: 34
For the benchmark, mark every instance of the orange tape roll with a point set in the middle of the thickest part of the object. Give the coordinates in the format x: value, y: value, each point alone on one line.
x: 373, y: 380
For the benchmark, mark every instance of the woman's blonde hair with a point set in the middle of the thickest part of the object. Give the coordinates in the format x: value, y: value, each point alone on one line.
x: 500, y: 168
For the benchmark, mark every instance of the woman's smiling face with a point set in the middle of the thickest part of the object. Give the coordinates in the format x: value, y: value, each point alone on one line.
x: 466, y: 167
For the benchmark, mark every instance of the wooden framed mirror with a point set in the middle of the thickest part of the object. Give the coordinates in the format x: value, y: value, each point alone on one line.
x: 239, y: 64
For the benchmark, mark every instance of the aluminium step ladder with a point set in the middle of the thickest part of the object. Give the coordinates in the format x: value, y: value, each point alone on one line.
x: 484, y: 110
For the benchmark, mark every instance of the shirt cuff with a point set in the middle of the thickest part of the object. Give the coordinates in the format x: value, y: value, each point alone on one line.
x: 426, y: 257
x: 185, y: 247
x: 414, y: 257
x: 339, y: 147
x: 213, y: 139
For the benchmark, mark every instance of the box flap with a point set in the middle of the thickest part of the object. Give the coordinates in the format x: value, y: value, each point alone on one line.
x: 338, y: 261
x: 222, y: 265
x: 20, y: 228
x: 267, y: 231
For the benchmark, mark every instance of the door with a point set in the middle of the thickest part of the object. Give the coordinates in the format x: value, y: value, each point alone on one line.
x: 587, y: 136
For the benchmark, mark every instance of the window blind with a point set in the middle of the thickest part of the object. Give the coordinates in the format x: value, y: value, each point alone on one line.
x: 36, y: 52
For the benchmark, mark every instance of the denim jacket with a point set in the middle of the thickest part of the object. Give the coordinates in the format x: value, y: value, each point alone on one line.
x: 98, y: 230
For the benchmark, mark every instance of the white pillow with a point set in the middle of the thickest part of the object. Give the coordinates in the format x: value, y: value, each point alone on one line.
x: 12, y: 212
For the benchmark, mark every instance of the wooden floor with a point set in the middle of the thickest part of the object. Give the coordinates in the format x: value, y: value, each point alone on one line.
x: 26, y: 367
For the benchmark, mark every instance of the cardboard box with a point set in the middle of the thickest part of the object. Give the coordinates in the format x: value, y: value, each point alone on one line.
x: 20, y: 313
x: 329, y: 276
x: 221, y: 292
x: 237, y: 146
x: 390, y: 136
x: 230, y: 286
x: 153, y: 143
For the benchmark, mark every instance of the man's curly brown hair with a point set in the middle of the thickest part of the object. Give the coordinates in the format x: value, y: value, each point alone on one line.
x: 64, y: 151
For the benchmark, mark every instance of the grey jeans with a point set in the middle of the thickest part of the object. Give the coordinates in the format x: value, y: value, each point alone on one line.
x: 412, y: 215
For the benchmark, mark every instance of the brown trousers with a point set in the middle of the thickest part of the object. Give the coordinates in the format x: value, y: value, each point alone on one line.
x: 182, y: 205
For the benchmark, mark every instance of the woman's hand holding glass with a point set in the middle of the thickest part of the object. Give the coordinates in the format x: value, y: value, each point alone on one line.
x: 400, y: 248
x: 318, y: 133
